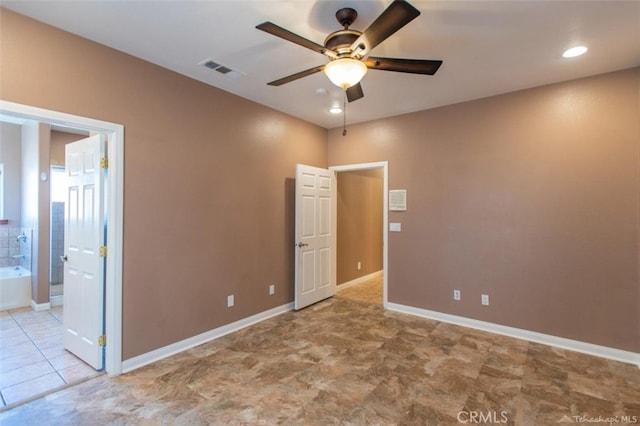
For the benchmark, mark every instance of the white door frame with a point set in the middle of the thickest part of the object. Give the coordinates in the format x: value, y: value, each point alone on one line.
x: 17, y: 113
x: 385, y: 215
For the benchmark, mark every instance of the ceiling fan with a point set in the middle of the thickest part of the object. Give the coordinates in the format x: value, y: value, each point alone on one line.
x: 347, y: 49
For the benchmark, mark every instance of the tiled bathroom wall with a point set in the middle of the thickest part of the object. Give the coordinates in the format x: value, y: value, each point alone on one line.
x: 26, y: 249
x: 12, y: 251
x: 57, y: 242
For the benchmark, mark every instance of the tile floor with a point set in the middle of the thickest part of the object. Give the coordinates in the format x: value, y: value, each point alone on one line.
x: 32, y: 358
x: 342, y: 361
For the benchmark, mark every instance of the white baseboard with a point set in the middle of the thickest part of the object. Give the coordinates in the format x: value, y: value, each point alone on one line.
x: 518, y: 333
x: 359, y: 280
x: 174, y: 348
x: 40, y: 306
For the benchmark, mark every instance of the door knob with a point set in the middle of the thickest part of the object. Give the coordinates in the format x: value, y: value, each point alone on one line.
x: 63, y: 258
x: 302, y: 244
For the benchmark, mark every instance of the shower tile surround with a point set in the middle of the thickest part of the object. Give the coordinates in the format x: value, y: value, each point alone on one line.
x: 57, y: 242
x: 13, y: 252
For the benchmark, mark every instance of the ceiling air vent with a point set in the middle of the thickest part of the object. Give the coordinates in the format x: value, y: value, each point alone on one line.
x: 210, y: 64
x: 228, y: 72
x: 223, y: 70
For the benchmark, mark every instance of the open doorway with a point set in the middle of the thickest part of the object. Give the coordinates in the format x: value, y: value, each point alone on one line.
x: 114, y: 133
x: 37, y: 355
x: 362, y: 231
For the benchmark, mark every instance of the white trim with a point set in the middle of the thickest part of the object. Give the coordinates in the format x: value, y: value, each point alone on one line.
x: 56, y: 300
x: 359, y: 280
x: 115, y: 236
x: 115, y: 190
x: 518, y: 333
x: 174, y: 348
x: 40, y: 306
x: 385, y: 216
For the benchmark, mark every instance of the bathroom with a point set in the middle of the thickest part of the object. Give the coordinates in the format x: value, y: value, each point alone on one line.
x: 32, y: 188
x: 32, y: 207
x: 15, y: 266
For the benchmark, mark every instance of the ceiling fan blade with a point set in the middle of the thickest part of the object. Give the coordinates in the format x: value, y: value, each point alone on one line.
x: 354, y: 93
x: 397, y: 15
x: 296, y: 76
x: 413, y: 66
x: 273, y: 29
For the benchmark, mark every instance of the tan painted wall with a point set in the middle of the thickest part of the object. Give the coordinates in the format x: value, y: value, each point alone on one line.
x: 530, y: 197
x: 11, y: 156
x: 359, y: 223
x: 208, y: 180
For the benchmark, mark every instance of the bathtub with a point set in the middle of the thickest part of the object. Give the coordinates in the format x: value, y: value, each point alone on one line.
x: 15, y: 287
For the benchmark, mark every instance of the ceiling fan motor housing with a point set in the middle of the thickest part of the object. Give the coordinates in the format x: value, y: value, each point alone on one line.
x: 341, y: 41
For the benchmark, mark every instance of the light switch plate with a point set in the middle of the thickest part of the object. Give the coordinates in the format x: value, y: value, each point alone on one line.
x: 395, y: 227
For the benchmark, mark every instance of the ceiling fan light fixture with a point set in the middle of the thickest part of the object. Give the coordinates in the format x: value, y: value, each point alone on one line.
x: 345, y: 72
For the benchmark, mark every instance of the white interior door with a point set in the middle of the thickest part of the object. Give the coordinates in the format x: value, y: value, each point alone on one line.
x: 315, y: 235
x: 83, y: 237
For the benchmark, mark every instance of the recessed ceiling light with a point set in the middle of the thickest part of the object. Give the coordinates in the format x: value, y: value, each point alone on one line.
x: 335, y: 110
x: 574, y: 51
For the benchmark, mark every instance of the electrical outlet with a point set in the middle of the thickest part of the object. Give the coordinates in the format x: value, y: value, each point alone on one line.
x: 456, y: 294
x: 230, y: 301
x: 359, y: 265
x: 485, y: 299
x: 272, y: 289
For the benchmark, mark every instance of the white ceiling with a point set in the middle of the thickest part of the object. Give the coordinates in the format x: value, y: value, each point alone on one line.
x: 488, y: 47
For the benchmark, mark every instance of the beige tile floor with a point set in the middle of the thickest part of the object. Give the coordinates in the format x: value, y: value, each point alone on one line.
x: 32, y: 358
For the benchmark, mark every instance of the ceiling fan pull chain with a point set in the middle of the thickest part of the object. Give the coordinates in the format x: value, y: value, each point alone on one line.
x: 344, y: 115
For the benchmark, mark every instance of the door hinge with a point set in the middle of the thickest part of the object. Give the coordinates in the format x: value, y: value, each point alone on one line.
x: 102, y: 340
x: 104, y: 163
x: 103, y: 251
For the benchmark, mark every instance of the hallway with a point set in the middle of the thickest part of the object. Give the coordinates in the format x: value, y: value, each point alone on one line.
x: 369, y: 291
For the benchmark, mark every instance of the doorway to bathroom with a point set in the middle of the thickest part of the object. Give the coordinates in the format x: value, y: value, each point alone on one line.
x: 34, y: 355
x: 46, y: 344
x: 114, y: 198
